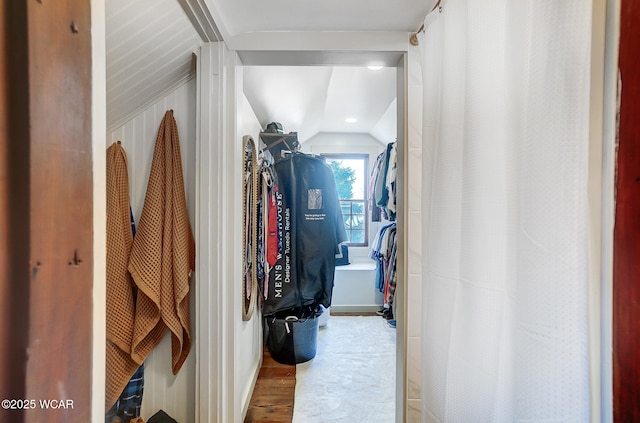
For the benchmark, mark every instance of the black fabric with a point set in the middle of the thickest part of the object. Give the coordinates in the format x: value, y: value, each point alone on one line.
x: 375, y: 214
x: 382, y: 202
x: 161, y: 417
x: 276, y: 143
x: 342, y: 259
x: 274, y: 127
x: 310, y: 225
x: 292, y: 334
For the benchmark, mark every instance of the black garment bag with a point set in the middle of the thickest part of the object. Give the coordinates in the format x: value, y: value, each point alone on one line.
x: 311, y: 227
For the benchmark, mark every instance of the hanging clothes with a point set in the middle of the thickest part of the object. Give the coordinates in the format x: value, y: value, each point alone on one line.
x: 163, y: 254
x: 384, y: 251
x: 267, y: 227
x: 390, y: 181
x: 273, y: 241
x: 128, y: 405
x: 389, y: 262
x: 311, y: 227
x: 267, y: 250
x: 120, y: 305
x: 381, y: 195
x: 375, y: 171
x: 382, y: 185
x: 251, y: 263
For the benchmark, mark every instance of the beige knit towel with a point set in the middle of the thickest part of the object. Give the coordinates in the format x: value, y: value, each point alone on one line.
x: 163, y: 254
x: 120, y: 306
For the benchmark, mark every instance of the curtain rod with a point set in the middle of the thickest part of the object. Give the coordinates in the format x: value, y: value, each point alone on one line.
x: 414, y: 37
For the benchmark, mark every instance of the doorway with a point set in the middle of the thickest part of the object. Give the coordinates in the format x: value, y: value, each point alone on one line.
x: 314, y: 62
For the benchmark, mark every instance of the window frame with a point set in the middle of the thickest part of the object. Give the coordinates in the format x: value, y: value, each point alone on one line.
x: 365, y: 200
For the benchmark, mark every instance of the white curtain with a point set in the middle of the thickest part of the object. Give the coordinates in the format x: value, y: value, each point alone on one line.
x: 505, y: 149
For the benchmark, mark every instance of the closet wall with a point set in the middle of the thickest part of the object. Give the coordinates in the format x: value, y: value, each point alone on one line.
x: 249, y: 333
x: 162, y: 390
x: 414, y: 218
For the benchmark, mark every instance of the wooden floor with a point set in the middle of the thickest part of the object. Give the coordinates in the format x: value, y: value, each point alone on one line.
x: 273, y: 395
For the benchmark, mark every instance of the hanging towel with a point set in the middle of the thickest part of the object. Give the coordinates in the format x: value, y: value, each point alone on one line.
x: 163, y: 254
x: 120, y: 303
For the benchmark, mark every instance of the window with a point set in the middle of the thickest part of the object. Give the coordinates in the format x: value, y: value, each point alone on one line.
x: 350, y: 171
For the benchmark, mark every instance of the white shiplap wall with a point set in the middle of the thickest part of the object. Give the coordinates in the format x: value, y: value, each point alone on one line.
x: 413, y: 276
x: 173, y: 394
x: 249, y: 334
x: 150, y: 46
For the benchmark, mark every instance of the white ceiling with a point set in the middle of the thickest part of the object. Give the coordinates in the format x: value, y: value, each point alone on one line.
x: 327, y: 15
x: 150, y: 46
x: 312, y: 99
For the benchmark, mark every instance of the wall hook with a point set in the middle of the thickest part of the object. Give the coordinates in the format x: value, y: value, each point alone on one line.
x: 75, y: 261
x: 35, y: 269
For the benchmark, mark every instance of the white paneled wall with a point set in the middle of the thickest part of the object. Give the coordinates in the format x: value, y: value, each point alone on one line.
x: 162, y: 390
x: 149, y: 45
x: 249, y: 334
x: 413, y: 227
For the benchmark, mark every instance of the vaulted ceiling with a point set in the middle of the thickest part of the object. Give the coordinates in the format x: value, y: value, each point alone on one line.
x: 150, y: 44
x: 237, y: 17
x: 312, y: 99
x: 150, y: 47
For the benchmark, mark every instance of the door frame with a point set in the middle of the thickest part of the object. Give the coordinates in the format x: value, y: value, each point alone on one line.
x: 219, y: 65
x: 626, y: 242
x: 398, y: 60
x: 47, y: 144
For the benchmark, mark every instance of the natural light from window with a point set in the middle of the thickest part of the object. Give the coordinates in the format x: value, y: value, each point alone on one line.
x: 350, y: 171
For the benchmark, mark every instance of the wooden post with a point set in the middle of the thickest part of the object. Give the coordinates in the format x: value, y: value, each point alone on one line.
x: 46, y: 238
x: 626, y: 262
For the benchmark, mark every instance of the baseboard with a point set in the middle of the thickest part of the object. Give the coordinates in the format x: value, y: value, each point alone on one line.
x: 355, y: 308
x: 247, y: 402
